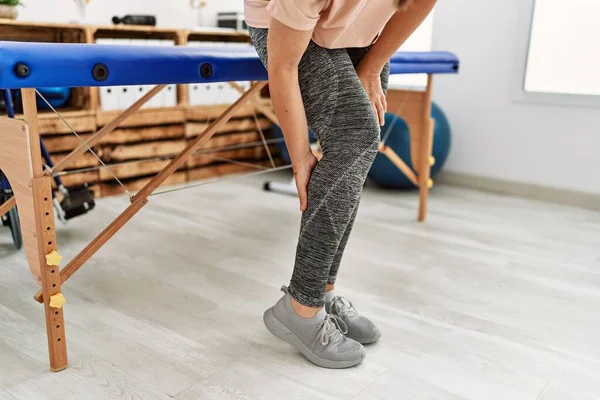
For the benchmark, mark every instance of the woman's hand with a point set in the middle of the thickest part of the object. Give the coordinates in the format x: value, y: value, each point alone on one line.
x: 395, y: 33
x: 371, y: 81
x: 285, y: 47
x: 302, y: 172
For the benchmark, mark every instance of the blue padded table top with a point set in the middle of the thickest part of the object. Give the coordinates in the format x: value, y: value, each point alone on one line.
x: 36, y: 65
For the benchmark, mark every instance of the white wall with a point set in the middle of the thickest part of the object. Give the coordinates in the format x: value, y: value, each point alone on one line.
x: 173, y: 14
x: 494, y: 136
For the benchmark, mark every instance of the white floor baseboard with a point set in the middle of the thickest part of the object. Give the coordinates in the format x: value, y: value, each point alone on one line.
x: 545, y: 193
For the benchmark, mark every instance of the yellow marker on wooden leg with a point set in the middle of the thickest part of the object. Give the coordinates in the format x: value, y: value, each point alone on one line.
x: 53, y: 258
x: 431, y: 161
x: 429, y: 183
x: 57, y: 301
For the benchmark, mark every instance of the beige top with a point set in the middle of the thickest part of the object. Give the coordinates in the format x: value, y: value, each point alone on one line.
x: 335, y: 23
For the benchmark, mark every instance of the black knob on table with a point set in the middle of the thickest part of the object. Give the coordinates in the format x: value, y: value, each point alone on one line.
x: 100, y: 72
x: 22, y: 70
x: 206, y: 70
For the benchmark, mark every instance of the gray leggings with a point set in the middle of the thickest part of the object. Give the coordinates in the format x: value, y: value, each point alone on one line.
x: 340, y: 114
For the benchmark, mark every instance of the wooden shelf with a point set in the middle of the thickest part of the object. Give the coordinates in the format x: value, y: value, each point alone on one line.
x: 63, y: 143
x: 144, y: 134
x: 218, y: 170
x: 45, y: 25
x: 193, y: 129
x: 134, y: 32
x: 133, y: 169
x: 36, y: 32
x: 80, y: 121
x: 52, y: 124
x: 217, y: 36
x: 208, y: 113
x: 145, y: 117
x: 145, y: 142
x: 140, y: 151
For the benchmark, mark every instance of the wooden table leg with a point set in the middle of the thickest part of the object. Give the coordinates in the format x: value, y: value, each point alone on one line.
x: 425, y: 182
x: 45, y: 238
x: 50, y: 273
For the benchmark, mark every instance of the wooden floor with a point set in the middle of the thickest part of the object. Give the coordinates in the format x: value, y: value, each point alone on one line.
x: 494, y: 298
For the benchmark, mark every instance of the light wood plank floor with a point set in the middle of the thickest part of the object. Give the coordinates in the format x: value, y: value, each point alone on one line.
x: 493, y: 298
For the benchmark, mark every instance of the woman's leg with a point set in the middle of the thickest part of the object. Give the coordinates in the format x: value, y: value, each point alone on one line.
x: 340, y: 114
x: 356, y: 54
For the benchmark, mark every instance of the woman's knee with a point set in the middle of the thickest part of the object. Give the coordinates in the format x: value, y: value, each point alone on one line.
x: 373, y: 133
x: 364, y: 134
x: 353, y: 141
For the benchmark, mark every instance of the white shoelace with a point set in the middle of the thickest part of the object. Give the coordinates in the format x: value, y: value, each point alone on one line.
x: 331, y: 330
x: 342, y: 307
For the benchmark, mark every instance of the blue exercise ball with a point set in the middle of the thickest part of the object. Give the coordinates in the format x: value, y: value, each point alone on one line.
x: 56, y: 96
x: 386, y: 174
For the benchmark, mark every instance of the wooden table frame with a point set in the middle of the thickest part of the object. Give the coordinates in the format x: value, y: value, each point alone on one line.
x: 20, y: 160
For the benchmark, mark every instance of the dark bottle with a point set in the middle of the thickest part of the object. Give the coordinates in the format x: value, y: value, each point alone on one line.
x: 135, y: 20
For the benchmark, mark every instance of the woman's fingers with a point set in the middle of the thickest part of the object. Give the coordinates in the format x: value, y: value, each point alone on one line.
x: 302, y: 193
x: 376, y: 111
x: 380, y: 112
x: 302, y: 175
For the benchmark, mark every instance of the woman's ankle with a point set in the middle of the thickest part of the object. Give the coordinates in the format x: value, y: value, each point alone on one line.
x: 304, y: 311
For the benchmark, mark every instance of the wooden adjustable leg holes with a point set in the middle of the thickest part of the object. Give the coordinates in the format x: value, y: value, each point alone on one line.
x: 51, y: 285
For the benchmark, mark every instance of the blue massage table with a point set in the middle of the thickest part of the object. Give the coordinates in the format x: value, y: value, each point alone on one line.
x: 34, y: 65
x: 28, y: 66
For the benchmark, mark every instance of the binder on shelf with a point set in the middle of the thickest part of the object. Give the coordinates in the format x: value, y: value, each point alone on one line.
x: 125, y: 94
x: 159, y: 99
x: 170, y: 91
x: 108, y: 94
x: 140, y: 90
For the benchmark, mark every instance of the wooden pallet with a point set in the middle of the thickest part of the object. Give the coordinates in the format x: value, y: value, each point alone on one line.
x: 80, y: 120
x: 209, y: 113
x: 145, y: 117
x: 86, y: 160
x: 135, y: 184
x: 140, y: 151
x: 250, y: 155
x: 41, y: 32
x: 145, y: 134
x: 221, y: 170
x: 134, y: 169
x: 193, y: 129
x: 63, y: 143
x: 233, y: 139
x: 80, y: 178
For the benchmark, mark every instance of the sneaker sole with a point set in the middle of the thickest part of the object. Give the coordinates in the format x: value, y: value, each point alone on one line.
x: 282, y: 332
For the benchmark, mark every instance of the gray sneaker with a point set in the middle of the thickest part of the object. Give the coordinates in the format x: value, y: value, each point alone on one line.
x: 320, y: 339
x: 360, y: 328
